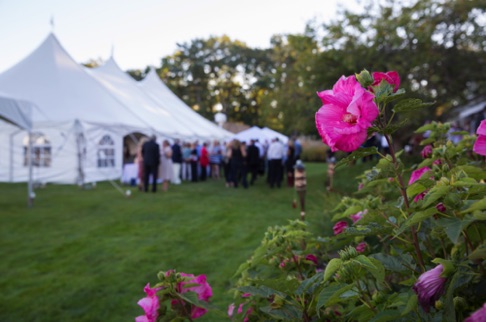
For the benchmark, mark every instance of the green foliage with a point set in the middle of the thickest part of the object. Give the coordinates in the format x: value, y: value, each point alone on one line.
x: 387, y: 235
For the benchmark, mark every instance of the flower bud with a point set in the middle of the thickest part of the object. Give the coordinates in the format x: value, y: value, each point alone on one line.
x: 440, y: 207
x: 364, y: 78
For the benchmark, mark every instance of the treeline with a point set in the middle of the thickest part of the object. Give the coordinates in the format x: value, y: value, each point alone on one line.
x: 437, y: 46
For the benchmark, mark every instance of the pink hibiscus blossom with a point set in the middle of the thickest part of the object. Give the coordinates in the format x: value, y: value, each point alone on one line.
x: 417, y: 174
x: 203, y: 291
x: 478, y: 316
x: 426, y: 151
x: 429, y: 287
x: 357, y: 216
x: 311, y: 258
x: 391, y: 78
x: 361, y: 247
x: 339, y: 227
x: 480, y: 144
x: 347, y: 112
x: 420, y: 196
x: 150, y: 304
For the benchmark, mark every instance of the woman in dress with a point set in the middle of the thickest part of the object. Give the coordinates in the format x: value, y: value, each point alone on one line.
x: 166, y: 170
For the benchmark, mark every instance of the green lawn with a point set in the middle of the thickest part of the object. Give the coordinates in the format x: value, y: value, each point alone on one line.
x: 85, y: 255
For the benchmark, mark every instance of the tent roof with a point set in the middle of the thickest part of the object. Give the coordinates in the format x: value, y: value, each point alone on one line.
x: 62, y: 90
x: 155, y: 88
x: 16, y: 111
x: 125, y: 89
x: 264, y: 134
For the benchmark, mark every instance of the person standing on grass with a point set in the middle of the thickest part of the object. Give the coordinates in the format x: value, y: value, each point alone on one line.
x: 289, y: 163
x: 275, y: 155
x: 194, y: 162
x: 204, y: 161
x: 215, y: 158
x: 151, y: 161
x: 300, y: 183
x: 176, y: 162
x: 253, y: 159
x: 186, y: 161
x: 166, y: 169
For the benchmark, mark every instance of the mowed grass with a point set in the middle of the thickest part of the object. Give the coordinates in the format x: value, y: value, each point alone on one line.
x: 85, y: 255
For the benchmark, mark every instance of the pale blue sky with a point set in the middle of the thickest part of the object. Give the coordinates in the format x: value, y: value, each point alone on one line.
x: 143, y: 31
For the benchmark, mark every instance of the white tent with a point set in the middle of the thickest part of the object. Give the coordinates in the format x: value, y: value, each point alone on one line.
x: 166, y: 99
x: 19, y: 113
x: 262, y: 135
x: 274, y: 134
x: 78, y: 128
x: 125, y: 89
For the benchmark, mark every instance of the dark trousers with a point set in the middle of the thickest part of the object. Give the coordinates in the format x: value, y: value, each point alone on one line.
x: 253, y: 169
x: 150, y: 170
x: 275, y: 172
x: 194, y: 171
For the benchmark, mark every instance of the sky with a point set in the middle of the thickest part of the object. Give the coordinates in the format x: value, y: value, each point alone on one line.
x: 141, y: 32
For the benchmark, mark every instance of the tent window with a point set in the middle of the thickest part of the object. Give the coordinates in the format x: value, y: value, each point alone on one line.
x: 41, y: 150
x: 106, y: 152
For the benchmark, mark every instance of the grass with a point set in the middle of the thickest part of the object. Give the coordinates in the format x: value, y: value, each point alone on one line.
x: 85, y: 255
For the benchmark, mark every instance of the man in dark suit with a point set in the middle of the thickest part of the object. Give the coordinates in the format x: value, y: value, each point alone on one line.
x: 253, y: 158
x: 151, y: 161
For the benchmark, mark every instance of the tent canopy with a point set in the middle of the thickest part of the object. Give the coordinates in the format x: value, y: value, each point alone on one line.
x: 62, y: 90
x: 262, y: 135
x: 16, y: 111
x: 166, y: 99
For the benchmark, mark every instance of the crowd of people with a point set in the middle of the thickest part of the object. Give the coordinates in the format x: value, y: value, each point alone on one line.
x: 237, y: 162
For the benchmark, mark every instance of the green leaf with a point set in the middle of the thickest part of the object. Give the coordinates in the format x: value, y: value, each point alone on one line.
x: 372, y: 265
x: 391, y: 263
x: 416, y: 218
x: 410, y: 104
x: 479, y: 252
x: 478, y: 205
x: 331, y: 292
x: 356, y: 155
x: 331, y: 268
x: 411, y: 304
x: 415, y: 188
x: 434, y: 194
x: 454, y: 226
x: 393, y: 97
x: 286, y: 312
x: 308, y: 283
x: 388, y: 315
x: 361, y: 313
x: 473, y: 172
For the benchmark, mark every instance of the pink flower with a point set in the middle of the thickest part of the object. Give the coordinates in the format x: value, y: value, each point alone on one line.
x: 429, y: 287
x: 391, y: 78
x: 360, y: 186
x: 358, y: 216
x: 478, y: 316
x: 203, y: 291
x: 480, y: 144
x: 347, y: 112
x: 420, y: 196
x: 361, y: 247
x: 339, y: 227
x: 440, y: 207
x: 231, y: 309
x: 437, y: 162
x: 426, y: 151
x: 150, y: 304
x: 312, y: 258
x: 417, y: 174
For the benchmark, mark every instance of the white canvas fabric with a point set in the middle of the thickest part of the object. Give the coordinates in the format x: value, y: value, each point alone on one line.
x: 167, y: 100
x: 16, y: 111
x: 264, y: 134
x: 78, y: 126
x: 125, y: 89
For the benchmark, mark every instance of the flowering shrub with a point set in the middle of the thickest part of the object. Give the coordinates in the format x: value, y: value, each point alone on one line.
x: 408, y: 246
x: 187, y: 294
